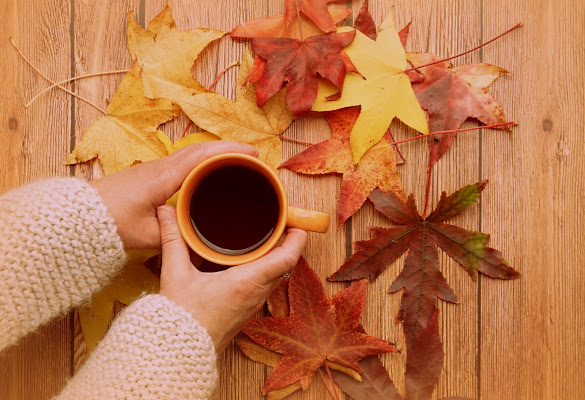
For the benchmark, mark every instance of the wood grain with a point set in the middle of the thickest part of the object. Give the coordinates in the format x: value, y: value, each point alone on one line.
x: 532, y: 339
x: 33, y: 143
x: 505, y: 340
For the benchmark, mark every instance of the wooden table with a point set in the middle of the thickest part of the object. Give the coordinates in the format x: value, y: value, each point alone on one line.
x: 518, y: 339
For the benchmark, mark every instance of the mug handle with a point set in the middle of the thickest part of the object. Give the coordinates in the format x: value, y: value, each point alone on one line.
x: 307, y: 220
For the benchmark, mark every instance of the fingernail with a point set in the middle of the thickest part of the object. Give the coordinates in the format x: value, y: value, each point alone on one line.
x: 164, y: 214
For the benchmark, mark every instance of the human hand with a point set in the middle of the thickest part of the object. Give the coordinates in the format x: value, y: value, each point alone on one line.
x: 221, y: 301
x: 132, y: 195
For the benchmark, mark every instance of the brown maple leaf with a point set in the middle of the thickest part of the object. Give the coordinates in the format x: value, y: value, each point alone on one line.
x: 376, y: 169
x: 421, y: 279
x: 451, y: 95
x: 299, y: 64
x: 318, y: 330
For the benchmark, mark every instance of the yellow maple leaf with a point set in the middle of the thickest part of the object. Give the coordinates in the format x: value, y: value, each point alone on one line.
x: 128, y: 134
x: 166, y: 55
x: 385, y: 92
x: 134, y: 280
x: 242, y: 120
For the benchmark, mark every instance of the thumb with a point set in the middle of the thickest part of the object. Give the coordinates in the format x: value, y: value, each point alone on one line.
x: 174, y: 249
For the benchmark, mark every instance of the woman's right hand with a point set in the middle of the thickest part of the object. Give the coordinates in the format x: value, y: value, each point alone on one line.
x: 221, y: 301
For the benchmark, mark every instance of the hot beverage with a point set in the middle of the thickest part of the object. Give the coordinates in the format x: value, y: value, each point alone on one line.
x: 234, y: 209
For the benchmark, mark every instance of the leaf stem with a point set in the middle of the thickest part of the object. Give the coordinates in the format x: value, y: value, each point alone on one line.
x: 234, y: 64
x: 325, y: 383
x: 468, y: 51
x: 336, y: 397
x: 456, y: 131
x: 427, y: 190
x: 48, y: 79
x: 299, y: 20
x: 295, y: 140
x: 396, y: 148
x: 120, y: 71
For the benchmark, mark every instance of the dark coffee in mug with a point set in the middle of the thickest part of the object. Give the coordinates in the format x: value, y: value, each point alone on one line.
x: 234, y: 209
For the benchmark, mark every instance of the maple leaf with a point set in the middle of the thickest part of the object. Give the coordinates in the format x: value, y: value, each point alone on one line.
x: 242, y: 120
x: 376, y: 169
x: 166, y: 56
x: 134, y: 280
x: 385, y: 92
x: 451, y: 95
x: 424, y: 362
x: 375, y: 383
x: 275, y: 26
x: 318, y: 330
x: 316, y: 10
x: 421, y: 279
x: 300, y: 63
x: 128, y: 134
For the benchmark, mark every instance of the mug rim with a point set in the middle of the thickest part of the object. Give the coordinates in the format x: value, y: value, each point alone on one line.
x: 184, y: 200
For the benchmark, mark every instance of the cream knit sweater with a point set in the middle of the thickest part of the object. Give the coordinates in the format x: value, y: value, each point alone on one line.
x: 58, y: 246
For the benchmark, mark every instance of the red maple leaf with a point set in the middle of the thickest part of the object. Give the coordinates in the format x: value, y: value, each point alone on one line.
x: 316, y: 10
x: 318, y: 330
x: 421, y: 279
x: 451, y: 95
x: 299, y: 64
x: 377, y: 168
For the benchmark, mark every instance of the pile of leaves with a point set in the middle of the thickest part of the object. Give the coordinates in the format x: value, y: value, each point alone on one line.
x: 361, y: 79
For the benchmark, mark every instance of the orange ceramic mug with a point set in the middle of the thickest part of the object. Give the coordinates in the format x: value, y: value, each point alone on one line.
x: 223, y: 164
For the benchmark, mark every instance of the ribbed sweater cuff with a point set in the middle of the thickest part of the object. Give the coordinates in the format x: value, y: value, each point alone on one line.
x: 58, y: 245
x: 154, y: 350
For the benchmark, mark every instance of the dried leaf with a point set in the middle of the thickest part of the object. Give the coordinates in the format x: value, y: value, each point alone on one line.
x: 317, y: 329
x: 129, y: 132
x: 424, y: 362
x: 316, y: 10
x: 166, y: 56
x: 421, y: 279
x: 275, y: 26
x: 375, y: 384
x: 385, y: 92
x: 376, y: 169
x: 299, y: 64
x: 452, y: 95
x: 134, y: 280
x: 243, y: 120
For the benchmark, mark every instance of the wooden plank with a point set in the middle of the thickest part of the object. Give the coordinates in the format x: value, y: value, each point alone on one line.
x: 34, y: 143
x: 443, y: 29
x: 240, y: 377
x: 99, y: 46
x: 532, y: 339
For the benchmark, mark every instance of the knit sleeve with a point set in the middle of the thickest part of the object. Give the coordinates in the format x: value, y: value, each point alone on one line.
x: 153, y: 350
x: 58, y: 245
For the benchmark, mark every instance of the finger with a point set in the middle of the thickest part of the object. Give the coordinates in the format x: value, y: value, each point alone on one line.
x: 177, y: 166
x: 280, y: 259
x: 175, y: 252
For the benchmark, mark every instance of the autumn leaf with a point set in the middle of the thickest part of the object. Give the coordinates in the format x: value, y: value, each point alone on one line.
x: 166, y: 56
x: 275, y: 26
x: 316, y: 10
x: 300, y: 64
x: 242, y: 120
x: 317, y: 331
x: 134, y: 280
x: 375, y: 383
x: 421, y: 279
x: 424, y: 362
x: 376, y: 169
x: 128, y: 134
x: 451, y: 95
x: 385, y: 92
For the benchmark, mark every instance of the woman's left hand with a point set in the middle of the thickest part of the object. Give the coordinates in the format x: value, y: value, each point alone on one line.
x: 132, y: 195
